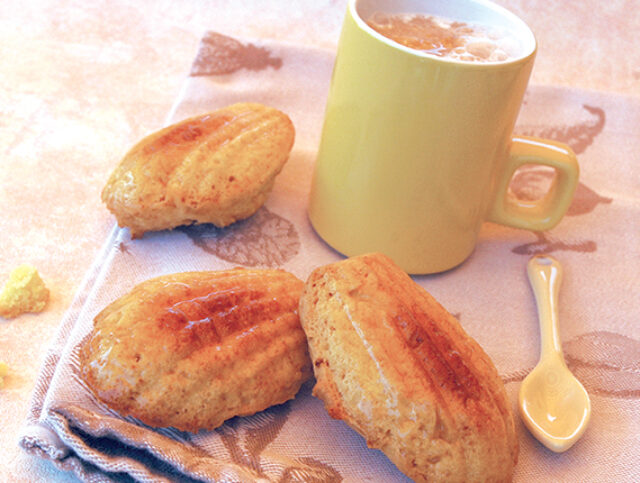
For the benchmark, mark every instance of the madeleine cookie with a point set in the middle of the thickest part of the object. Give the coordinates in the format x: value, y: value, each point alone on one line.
x: 398, y: 368
x: 216, y: 168
x: 191, y: 350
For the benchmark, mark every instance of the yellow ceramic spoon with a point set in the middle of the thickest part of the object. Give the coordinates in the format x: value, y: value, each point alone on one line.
x: 553, y: 404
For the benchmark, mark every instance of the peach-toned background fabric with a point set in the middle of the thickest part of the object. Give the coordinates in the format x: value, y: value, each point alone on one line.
x: 82, y: 82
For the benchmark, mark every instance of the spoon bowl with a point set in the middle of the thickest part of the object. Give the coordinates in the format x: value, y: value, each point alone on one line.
x: 553, y: 404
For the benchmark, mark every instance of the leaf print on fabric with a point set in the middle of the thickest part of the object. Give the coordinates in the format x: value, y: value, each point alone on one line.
x: 264, y: 239
x: 246, y: 438
x: 219, y: 55
x: 123, y: 248
x: 545, y: 243
x: 532, y: 182
x: 311, y: 471
x: 607, y: 364
x: 585, y: 201
x: 578, y: 136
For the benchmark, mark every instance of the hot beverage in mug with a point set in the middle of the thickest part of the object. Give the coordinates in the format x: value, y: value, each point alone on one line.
x: 447, y: 38
x: 417, y: 146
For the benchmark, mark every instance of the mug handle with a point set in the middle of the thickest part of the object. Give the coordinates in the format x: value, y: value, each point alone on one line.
x: 545, y: 213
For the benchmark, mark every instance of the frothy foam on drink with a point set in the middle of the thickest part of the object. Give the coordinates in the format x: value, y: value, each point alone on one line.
x: 442, y: 37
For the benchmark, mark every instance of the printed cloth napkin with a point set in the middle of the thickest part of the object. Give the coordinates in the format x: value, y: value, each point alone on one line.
x: 597, y: 243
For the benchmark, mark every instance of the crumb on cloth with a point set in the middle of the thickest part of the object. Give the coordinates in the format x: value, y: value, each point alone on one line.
x: 24, y: 292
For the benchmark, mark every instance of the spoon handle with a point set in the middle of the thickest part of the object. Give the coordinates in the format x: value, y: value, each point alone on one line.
x: 545, y: 276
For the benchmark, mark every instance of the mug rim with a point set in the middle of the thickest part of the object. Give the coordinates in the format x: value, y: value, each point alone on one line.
x: 532, y: 43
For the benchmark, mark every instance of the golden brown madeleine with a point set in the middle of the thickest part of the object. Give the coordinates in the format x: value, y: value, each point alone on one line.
x: 398, y: 368
x: 193, y: 349
x: 216, y: 168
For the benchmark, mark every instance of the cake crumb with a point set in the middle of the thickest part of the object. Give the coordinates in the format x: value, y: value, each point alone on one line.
x: 24, y: 292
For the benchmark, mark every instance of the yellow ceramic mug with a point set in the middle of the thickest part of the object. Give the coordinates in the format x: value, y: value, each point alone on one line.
x: 417, y: 151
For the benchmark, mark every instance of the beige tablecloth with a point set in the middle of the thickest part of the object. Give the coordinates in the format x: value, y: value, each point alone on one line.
x: 597, y: 243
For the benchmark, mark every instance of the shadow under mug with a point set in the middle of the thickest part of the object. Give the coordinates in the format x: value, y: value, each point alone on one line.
x: 417, y: 151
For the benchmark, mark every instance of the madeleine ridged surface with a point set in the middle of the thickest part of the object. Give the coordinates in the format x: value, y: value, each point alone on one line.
x: 216, y: 168
x: 191, y: 350
x: 398, y: 368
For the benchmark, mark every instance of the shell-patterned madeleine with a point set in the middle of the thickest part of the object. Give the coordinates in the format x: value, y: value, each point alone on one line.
x: 397, y: 367
x: 191, y: 350
x: 215, y: 168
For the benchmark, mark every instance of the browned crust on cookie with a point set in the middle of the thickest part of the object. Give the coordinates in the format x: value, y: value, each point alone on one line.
x: 193, y: 349
x: 398, y: 368
x: 215, y: 168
